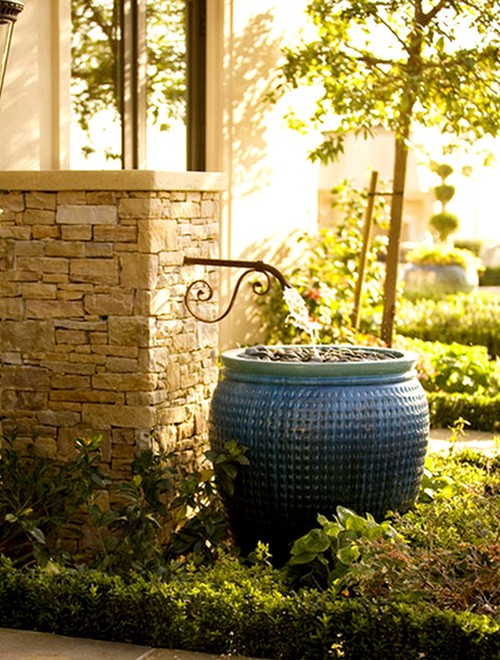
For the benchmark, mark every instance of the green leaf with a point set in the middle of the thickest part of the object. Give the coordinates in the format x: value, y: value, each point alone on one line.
x: 343, y: 514
x: 349, y: 554
x: 315, y: 541
x: 357, y: 524
x: 38, y: 535
x: 301, y: 558
x: 11, y: 518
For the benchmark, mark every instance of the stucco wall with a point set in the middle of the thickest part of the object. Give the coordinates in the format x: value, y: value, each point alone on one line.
x: 35, y: 107
x: 272, y: 184
x: 94, y: 333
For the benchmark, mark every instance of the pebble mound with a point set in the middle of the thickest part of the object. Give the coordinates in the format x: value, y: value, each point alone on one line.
x: 318, y: 354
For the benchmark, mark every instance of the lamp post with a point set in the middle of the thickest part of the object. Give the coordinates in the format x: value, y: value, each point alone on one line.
x: 9, y: 11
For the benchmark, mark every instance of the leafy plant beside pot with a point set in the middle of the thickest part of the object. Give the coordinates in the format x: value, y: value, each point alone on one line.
x: 439, y: 255
x: 438, y: 270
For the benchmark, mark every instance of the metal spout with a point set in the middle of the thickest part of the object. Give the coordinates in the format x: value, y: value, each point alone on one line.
x: 204, y: 292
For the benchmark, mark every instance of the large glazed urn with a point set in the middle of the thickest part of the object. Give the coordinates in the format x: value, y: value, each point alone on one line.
x: 350, y: 432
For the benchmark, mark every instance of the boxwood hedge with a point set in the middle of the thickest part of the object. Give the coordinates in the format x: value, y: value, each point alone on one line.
x: 224, y: 609
x: 481, y: 411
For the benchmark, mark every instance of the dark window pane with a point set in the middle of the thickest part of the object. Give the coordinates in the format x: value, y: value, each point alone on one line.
x: 95, y: 129
x: 104, y: 94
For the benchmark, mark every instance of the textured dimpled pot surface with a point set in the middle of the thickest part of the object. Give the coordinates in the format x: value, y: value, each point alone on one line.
x: 319, y: 435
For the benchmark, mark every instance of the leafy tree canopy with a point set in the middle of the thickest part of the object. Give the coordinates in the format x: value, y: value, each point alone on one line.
x: 397, y: 62
x: 394, y: 64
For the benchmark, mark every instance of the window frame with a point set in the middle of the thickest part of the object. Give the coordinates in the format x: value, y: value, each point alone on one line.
x: 133, y: 84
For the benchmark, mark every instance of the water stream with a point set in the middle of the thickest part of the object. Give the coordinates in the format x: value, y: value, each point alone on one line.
x: 299, y: 315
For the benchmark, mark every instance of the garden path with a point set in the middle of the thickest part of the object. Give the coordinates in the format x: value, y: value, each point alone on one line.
x: 29, y: 645
x: 477, y: 440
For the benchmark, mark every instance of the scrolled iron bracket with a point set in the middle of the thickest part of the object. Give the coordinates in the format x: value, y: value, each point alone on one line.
x: 201, y: 291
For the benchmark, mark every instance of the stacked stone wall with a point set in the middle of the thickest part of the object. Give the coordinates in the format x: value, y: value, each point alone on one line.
x: 94, y: 334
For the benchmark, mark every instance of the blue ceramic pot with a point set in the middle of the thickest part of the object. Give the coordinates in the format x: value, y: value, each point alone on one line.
x: 437, y: 281
x: 318, y: 435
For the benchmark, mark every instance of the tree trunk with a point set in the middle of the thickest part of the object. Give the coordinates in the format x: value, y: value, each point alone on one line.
x: 392, y: 263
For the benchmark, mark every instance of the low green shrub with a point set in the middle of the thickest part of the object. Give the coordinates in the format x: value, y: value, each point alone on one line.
x: 235, y: 610
x: 471, y: 245
x: 43, y: 505
x: 454, y: 367
x: 40, y: 501
x: 490, y: 277
x: 445, y: 549
x: 460, y: 381
x: 480, y: 410
x: 465, y: 319
x: 438, y: 255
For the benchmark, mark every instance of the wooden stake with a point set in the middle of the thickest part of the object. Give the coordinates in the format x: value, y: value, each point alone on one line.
x: 364, y: 249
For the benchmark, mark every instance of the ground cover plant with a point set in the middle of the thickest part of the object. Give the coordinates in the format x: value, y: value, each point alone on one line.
x: 420, y: 585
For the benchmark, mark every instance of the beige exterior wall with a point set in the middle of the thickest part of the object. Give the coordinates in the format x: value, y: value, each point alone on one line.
x: 94, y: 332
x: 35, y: 103
x: 272, y: 186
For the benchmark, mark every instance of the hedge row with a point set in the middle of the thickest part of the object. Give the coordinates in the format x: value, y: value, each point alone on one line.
x: 224, y: 610
x: 466, y: 319
x: 490, y: 277
x: 481, y: 411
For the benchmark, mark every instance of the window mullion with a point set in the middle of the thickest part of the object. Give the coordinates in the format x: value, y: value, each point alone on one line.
x: 133, y: 83
x: 196, y: 84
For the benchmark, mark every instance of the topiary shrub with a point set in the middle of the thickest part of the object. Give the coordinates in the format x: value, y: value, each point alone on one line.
x: 444, y: 223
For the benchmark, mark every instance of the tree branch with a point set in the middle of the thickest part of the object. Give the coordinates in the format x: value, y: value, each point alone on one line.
x: 362, y: 56
x: 427, y: 18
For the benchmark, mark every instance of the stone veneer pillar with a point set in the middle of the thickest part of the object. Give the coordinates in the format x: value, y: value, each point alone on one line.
x: 94, y: 335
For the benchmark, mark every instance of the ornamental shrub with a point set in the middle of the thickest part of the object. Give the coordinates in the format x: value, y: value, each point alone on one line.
x: 41, y: 501
x: 490, y: 277
x: 454, y: 367
x: 163, y: 512
x: 480, y: 410
x: 444, y: 223
x: 228, y: 609
x: 444, y: 256
x: 460, y: 381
